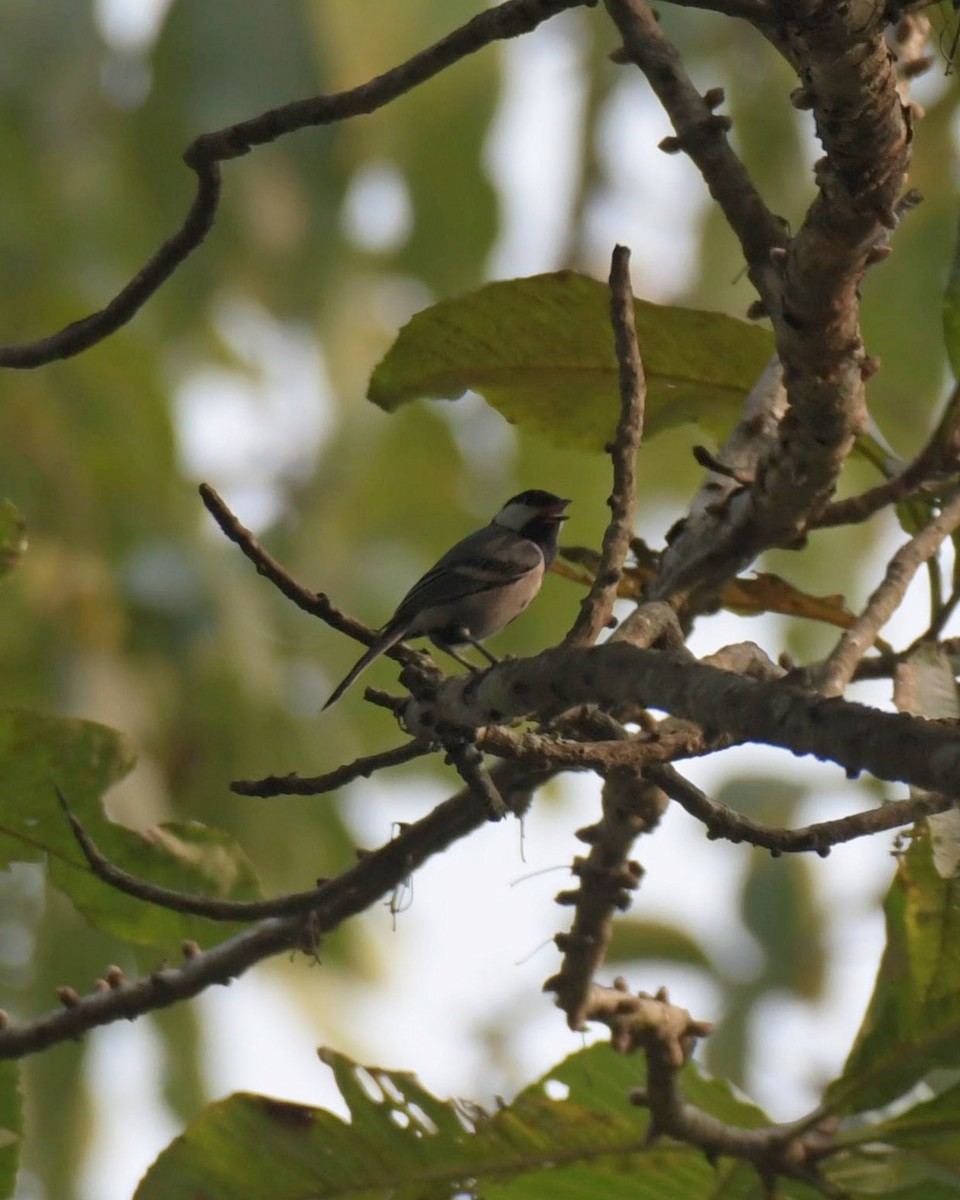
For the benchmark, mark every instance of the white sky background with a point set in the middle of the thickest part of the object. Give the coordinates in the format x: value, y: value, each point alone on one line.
x: 465, y: 955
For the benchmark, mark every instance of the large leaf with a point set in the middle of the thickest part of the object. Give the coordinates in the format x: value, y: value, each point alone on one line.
x: 84, y: 759
x: 403, y: 1141
x: 540, y: 350
x: 912, y: 1025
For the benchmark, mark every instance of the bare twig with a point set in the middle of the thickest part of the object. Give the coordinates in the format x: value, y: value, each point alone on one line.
x: 841, y: 664
x: 361, y: 768
x: 317, y: 604
x: 205, y: 154
x: 723, y: 822
x: 930, y: 466
x: 597, y: 607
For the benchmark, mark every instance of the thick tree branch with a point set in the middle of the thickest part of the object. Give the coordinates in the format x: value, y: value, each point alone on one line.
x: 808, y: 286
x: 597, y: 607
x: 607, y: 877
x: 204, y: 155
x: 893, y: 747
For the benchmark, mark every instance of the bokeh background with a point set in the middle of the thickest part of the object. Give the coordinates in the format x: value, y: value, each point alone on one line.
x: 249, y: 370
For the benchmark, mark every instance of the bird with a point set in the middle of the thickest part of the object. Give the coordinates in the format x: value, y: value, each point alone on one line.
x: 479, y: 585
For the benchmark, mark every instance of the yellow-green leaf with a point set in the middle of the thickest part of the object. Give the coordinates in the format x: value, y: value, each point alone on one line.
x: 540, y: 351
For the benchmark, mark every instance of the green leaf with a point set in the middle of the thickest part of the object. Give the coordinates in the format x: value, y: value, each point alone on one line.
x: 84, y: 759
x: 634, y: 940
x: 540, y: 350
x: 912, y: 1025
x: 11, y: 1127
x: 951, y: 313
x: 403, y: 1141
x: 13, y: 537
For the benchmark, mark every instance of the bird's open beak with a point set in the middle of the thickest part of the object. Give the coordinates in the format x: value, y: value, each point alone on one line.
x: 554, y: 512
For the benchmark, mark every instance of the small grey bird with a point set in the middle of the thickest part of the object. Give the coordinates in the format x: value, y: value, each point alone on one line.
x: 479, y: 585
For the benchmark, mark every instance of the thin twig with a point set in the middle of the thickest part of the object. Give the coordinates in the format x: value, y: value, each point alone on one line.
x: 317, y: 604
x: 703, y: 136
x: 597, y: 607
x: 723, y: 822
x: 205, y: 154
x: 361, y: 768
x: 927, y: 468
x: 841, y: 664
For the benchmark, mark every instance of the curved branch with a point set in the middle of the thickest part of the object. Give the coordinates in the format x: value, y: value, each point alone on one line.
x: 204, y: 155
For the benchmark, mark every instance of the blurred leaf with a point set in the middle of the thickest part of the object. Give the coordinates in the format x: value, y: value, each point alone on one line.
x: 635, y: 939
x: 951, y: 312
x: 912, y: 1025
x: 84, y: 759
x: 540, y: 351
x: 11, y: 1127
x: 925, y: 686
x: 13, y: 537
x: 780, y: 910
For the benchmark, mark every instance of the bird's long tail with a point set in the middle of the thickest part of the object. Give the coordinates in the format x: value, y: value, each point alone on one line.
x: 389, y: 637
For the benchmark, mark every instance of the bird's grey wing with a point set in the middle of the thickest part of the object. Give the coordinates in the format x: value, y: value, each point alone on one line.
x: 483, y: 561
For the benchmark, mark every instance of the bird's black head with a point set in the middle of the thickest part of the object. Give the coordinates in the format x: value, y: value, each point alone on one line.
x: 533, y: 504
x: 537, y: 515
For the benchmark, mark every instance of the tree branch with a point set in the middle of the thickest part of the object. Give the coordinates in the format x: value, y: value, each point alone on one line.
x: 891, y: 746
x: 667, y: 1034
x: 723, y: 822
x: 317, y: 785
x: 204, y: 155
x: 607, y: 876
x: 597, y: 607
x: 842, y: 663
x: 375, y: 876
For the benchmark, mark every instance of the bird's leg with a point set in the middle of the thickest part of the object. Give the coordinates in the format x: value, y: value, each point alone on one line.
x: 491, y: 658
x: 461, y: 636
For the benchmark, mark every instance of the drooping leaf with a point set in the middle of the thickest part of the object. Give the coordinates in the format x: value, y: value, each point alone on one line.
x: 912, y: 1025
x: 40, y: 753
x: 540, y: 351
